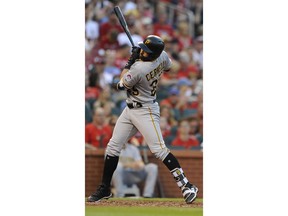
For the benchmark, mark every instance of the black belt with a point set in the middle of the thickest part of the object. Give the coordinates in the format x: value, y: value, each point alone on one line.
x: 136, y: 104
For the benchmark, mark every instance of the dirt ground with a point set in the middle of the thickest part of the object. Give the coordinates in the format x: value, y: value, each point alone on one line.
x: 145, y: 203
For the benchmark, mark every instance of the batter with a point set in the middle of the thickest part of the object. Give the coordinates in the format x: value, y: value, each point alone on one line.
x: 140, y: 79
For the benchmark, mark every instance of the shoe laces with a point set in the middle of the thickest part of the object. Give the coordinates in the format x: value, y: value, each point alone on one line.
x: 99, y: 190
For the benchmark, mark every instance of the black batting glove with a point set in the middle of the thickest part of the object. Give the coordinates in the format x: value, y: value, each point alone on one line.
x: 120, y: 87
x: 135, y: 55
x: 136, y: 50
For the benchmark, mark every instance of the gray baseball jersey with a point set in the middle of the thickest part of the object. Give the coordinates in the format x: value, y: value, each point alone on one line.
x: 143, y: 77
x: 141, y: 82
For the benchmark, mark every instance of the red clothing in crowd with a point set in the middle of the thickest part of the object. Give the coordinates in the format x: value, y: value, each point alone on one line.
x: 166, y: 132
x: 120, y: 62
x: 169, y: 102
x: 105, y: 28
x: 92, y: 93
x: 185, y: 72
x: 96, y: 136
x: 192, y: 141
x: 109, y: 32
x: 106, y: 43
x: 163, y: 30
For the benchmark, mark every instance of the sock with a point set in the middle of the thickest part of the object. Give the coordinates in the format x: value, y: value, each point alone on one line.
x: 173, y: 165
x: 171, y: 162
x: 109, y: 167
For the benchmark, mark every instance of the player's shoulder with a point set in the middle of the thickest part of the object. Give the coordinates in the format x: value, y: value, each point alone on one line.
x: 164, y: 53
x: 138, y: 62
x: 137, y: 66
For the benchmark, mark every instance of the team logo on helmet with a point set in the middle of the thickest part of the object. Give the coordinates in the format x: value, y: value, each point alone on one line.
x: 147, y: 42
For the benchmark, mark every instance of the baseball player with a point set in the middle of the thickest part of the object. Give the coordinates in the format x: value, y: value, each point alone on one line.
x: 140, y: 78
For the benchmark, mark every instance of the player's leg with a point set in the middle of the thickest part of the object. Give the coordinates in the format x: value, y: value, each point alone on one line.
x: 123, y: 131
x: 149, y: 126
x: 147, y: 121
x: 189, y: 191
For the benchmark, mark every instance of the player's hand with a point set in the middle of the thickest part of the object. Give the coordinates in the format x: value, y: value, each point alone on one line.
x: 135, y: 55
x: 136, y: 51
x: 120, y: 86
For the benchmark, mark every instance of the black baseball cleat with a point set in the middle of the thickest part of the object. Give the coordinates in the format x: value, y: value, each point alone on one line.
x: 102, y: 192
x: 189, y: 192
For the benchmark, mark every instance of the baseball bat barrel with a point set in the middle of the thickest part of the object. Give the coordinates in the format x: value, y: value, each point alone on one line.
x: 123, y: 23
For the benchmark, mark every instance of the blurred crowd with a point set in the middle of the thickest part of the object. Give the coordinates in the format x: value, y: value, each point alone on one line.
x: 107, y: 49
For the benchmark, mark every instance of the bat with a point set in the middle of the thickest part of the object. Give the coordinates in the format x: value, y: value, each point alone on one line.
x: 123, y: 23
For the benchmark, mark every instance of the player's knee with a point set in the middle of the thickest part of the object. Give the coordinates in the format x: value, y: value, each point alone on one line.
x: 162, y: 154
x: 113, y: 149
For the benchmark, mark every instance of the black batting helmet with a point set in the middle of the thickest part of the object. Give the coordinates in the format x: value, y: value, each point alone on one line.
x: 153, y: 45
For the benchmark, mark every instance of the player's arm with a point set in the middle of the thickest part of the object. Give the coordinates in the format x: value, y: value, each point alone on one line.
x: 128, y: 80
x: 120, y: 85
x: 134, y: 56
x: 123, y: 72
